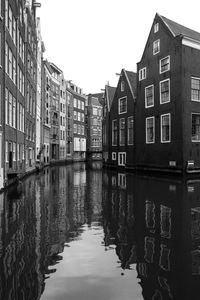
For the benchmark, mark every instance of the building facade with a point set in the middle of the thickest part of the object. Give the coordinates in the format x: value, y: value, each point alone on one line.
x: 94, y: 115
x: 122, y: 120
x: 108, y: 98
x: 168, y: 96
x: 79, y: 132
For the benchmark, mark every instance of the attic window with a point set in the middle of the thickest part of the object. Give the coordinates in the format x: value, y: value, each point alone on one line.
x: 156, y: 27
x: 122, y: 86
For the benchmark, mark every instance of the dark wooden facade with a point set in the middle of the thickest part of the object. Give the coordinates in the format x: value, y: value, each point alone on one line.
x: 122, y: 146
x: 172, y: 148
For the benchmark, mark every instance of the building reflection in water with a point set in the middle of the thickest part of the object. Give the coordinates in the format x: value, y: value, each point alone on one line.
x: 151, y: 224
x: 155, y: 224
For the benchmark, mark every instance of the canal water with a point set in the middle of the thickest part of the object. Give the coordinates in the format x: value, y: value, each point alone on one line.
x: 82, y: 232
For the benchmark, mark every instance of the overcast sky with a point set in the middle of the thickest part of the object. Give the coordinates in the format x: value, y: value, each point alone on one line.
x: 92, y: 40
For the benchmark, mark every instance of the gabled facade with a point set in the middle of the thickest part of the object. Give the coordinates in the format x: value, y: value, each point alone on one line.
x: 94, y: 113
x: 168, y: 96
x: 121, y: 122
x: 107, y: 102
x: 79, y: 132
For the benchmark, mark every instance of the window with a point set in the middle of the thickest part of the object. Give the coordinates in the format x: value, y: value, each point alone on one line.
x: 122, y: 86
x: 75, y: 115
x: 149, y: 96
x: 122, y: 132
x: 75, y: 128
x: 195, y: 89
x: 14, y: 151
x: 75, y: 102
x: 130, y: 131
x: 150, y: 130
x: 165, y: 128
x: 114, y: 133
x: 113, y: 155
x: 121, y: 158
x: 82, y: 130
x: 195, y: 127
x: 94, y: 111
x: 123, y: 105
x: 142, y: 73
x: 164, y: 91
x: 165, y: 64
x: 156, y: 27
x: 156, y: 47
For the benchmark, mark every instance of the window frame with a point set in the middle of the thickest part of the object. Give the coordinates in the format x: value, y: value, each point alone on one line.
x: 161, y: 128
x: 154, y: 47
x: 125, y: 111
x: 146, y: 120
x: 169, y: 98
x: 142, y: 73
x: 160, y: 64
x: 113, y: 132
x: 196, y: 78
x: 122, y: 131
x: 198, y: 140
x: 123, y: 160
x: 130, y: 120
x: 114, y: 156
x: 156, y: 27
x: 146, y: 104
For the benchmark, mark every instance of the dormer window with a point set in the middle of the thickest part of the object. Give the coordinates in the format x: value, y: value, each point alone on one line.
x: 156, y: 27
x: 156, y: 47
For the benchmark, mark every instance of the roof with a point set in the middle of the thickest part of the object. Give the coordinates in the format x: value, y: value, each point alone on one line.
x: 177, y: 29
x: 96, y: 99
x: 132, y: 79
x: 110, y: 92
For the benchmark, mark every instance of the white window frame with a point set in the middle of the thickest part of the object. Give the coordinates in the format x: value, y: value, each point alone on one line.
x: 146, y: 104
x: 114, y: 156
x: 160, y: 91
x: 168, y: 64
x: 156, y: 27
x: 161, y: 128
x: 123, y: 112
x: 196, y: 78
x: 142, y: 73
x: 123, y: 163
x: 153, y: 141
x: 122, y: 121
x: 154, y: 47
x: 193, y: 140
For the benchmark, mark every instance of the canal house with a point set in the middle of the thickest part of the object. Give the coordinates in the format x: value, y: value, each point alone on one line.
x: 168, y: 99
x: 108, y: 98
x: 121, y: 127
x: 94, y: 126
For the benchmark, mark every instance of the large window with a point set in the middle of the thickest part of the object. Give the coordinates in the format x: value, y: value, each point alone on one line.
x: 130, y: 131
x: 164, y: 91
x: 165, y: 128
x: 195, y: 89
x: 195, y: 127
x: 149, y: 96
x: 156, y: 47
x: 150, y: 130
x: 123, y: 105
x: 165, y: 64
x: 114, y: 133
x: 122, y: 132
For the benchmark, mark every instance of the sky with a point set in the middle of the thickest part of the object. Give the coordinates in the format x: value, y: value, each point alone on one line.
x: 93, y: 40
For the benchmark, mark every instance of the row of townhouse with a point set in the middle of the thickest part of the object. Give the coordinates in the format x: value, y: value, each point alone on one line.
x: 152, y: 119
x: 42, y: 115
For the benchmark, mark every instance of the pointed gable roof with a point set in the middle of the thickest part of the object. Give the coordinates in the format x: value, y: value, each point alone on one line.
x: 177, y: 29
x: 132, y: 81
x: 109, y: 92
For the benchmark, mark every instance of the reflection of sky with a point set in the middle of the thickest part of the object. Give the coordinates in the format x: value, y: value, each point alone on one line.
x: 89, y: 272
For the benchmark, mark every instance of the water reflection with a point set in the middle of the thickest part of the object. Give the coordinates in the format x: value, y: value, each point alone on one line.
x: 148, y: 227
